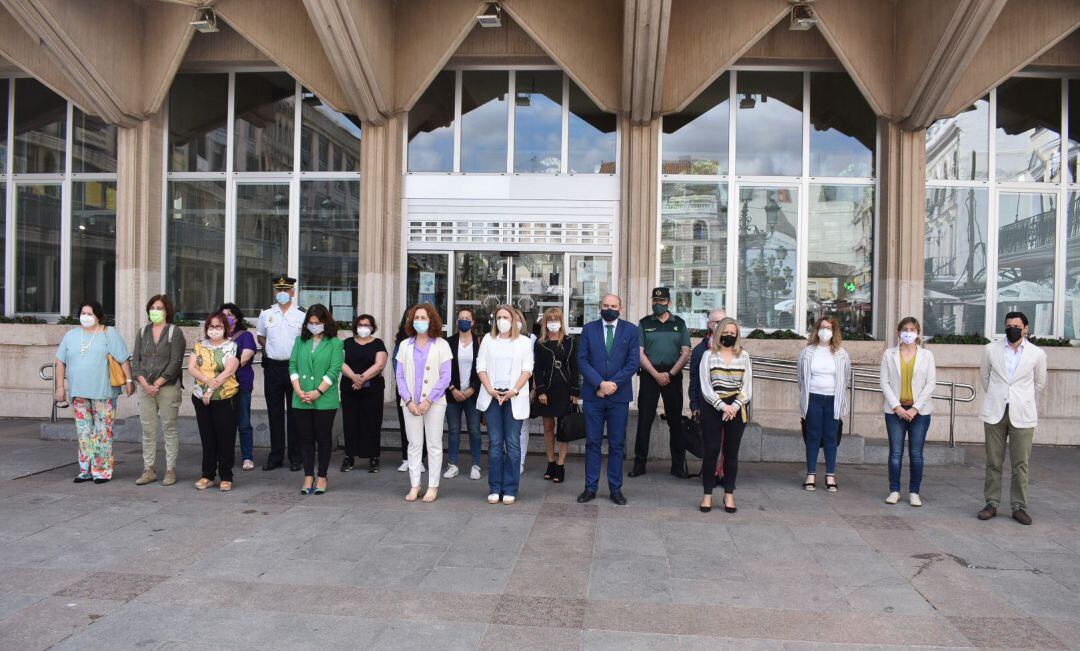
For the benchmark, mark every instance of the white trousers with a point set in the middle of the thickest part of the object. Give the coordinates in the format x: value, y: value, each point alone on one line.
x: 524, y: 440
x: 419, y: 429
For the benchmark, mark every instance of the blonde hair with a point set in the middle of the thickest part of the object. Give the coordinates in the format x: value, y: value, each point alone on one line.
x: 552, y: 314
x: 714, y: 341
x: 515, y: 317
x: 834, y: 343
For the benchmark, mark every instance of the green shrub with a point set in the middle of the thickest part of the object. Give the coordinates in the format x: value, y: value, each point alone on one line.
x: 25, y: 320
x: 775, y: 334
x: 858, y: 336
x: 974, y: 339
x: 1050, y: 343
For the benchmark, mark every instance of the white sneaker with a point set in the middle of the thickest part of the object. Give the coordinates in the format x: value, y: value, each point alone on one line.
x: 522, y: 469
x: 423, y: 468
x: 914, y: 499
x: 493, y: 498
x: 893, y: 498
x: 404, y: 467
x: 508, y: 499
x: 474, y: 473
x: 451, y: 471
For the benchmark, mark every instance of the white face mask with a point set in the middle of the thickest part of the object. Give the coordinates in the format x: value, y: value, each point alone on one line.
x: 504, y: 325
x: 215, y: 333
x: 364, y: 332
x: 554, y: 326
x: 315, y: 328
x: 824, y: 335
x: 908, y: 337
x: 87, y: 320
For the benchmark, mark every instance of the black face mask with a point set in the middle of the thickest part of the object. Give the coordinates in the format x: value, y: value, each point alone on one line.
x: 728, y: 341
x: 1013, y: 334
x: 609, y: 315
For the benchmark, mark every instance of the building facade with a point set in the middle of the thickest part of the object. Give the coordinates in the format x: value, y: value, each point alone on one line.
x: 894, y: 159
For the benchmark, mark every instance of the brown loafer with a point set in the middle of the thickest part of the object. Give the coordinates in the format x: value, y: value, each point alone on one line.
x: 1021, y: 516
x: 988, y: 512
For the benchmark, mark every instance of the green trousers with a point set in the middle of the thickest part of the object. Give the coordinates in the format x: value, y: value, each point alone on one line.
x: 166, y: 406
x: 1019, y: 443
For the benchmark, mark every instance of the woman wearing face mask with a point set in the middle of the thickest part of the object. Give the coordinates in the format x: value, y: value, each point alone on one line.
x: 245, y: 376
x: 423, y: 374
x: 504, y: 366
x: 82, y: 358
x: 725, y: 377
x: 362, y: 394
x: 157, y: 362
x: 213, y: 365
x: 461, y: 396
x: 314, y: 369
x: 908, y: 379
x: 822, y: 375
x: 557, y: 384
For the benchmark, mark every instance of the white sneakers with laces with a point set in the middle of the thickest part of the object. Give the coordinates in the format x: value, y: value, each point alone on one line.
x: 404, y: 467
x: 474, y: 473
x: 493, y: 498
x: 893, y: 498
x: 914, y: 499
x: 451, y: 471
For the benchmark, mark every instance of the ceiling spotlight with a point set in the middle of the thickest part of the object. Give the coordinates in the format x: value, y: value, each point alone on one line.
x: 491, y: 16
x: 205, y: 20
x: 803, y: 17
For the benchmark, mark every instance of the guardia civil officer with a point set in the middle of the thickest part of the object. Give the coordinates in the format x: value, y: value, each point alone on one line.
x: 279, y: 326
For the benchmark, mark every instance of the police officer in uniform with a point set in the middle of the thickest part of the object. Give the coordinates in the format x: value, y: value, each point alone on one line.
x: 665, y: 349
x: 279, y: 326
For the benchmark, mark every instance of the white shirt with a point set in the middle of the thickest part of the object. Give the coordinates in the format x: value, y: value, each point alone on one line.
x: 464, y: 364
x: 823, y: 372
x: 1012, y: 358
x: 503, y: 359
x: 280, y: 329
x: 604, y: 329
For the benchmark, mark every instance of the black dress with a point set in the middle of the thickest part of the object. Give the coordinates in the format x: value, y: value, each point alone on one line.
x: 555, y: 372
x: 362, y: 410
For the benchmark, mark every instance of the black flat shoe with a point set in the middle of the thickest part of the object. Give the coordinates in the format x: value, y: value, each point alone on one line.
x: 270, y: 465
x: 100, y: 480
x: 80, y: 479
x: 618, y: 498
x: 638, y: 470
x: 295, y: 467
x: 586, y: 496
x: 373, y: 465
x: 347, y: 464
x: 559, y: 476
x: 549, y: 474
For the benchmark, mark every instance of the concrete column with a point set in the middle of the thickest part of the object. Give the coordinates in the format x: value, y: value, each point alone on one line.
x: 902, y: 228
x: 139, y: 237
x: 381, y: 243
x: 638, y: 228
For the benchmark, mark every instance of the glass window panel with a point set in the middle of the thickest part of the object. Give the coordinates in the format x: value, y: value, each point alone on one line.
x: 262, y: 241
x: 37, y: 248
x: 265, y: 117
x: 330, y: 243
x: 480, y: 283
x: 195, y: 231
x: 957, y: 148
x: 483, y: 120
x: 3, y: 124
x: 769, y: 124
x: 693, y: 246
x: 768, y: 219
x: 198, y: 116
x: 93, y: 244
x: 40, y: 129
x: 954, y: 286
x: 1072, y: 269
x: 94, y: 144
x: 1028, y: 130
x: 695, y: 140
x: 431, y: 127
x: 840, y: 256
x: 1026, y: 259
x: 329, y: 141
x: 843, y: 127
x: 1074, y: 128
x: 591, y: 145
x: 590, y: 279
x: 427, y: 282
x: 3, y: 243
x: 537, y: 121
x: 537, y: 284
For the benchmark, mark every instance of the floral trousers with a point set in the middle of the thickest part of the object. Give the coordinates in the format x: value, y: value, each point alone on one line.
x: 94, y: 424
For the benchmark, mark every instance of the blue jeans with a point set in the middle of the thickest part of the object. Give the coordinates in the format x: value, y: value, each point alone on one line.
x: 243, y: 425
x: 504, y: 449
x: 916, y: 435
x: 614, y: 414
x: 821, y: 426
x: 454, y: 411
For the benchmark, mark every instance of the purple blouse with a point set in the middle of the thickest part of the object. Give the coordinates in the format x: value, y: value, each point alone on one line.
x: 420, y: 356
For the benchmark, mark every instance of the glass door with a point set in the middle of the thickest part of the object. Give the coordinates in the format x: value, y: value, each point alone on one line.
x: 767, y: 263
x: 538, y: 283
x: 590, y: 279
x: 480, y: 282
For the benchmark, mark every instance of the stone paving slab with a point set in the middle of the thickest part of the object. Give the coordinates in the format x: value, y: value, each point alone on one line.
x: 116, y: 565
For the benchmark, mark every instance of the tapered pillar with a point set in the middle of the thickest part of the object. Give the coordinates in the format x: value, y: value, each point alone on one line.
x: 638, y: 230
x: 381, y: 243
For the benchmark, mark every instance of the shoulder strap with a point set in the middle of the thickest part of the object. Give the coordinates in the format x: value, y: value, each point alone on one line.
x: 168, y: 339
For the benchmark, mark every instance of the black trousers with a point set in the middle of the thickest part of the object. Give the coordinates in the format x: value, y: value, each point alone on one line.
x: 279, y: 411
x: 361, y: 420
x: 721, y: 440
x: 316, y: 429
x: 649, y: 395
x: 217, y: 429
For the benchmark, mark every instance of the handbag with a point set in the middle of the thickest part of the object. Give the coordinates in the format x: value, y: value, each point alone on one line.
x: 571, y: 426
x: 692, y: 436
x: 839, y: 432
x: 116, y: 371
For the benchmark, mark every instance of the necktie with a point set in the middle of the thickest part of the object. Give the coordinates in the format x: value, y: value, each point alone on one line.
x: 609, y: 339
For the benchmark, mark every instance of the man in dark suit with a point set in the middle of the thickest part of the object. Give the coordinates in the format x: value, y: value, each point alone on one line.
x: 608, y: 359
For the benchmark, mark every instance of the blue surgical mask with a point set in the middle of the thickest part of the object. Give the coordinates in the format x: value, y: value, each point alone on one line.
x: 420, y: 327
x: 659, y: 309
x: 283, y: 297
x: 464, y: 325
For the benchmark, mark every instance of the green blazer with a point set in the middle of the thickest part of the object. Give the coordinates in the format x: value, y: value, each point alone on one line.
x: 312, y: 367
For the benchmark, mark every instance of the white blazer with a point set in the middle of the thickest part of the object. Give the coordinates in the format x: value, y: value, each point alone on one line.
x: 923, y: 380
x: 438, y: 354
x: 523, y: 361
x: 1018, y: 394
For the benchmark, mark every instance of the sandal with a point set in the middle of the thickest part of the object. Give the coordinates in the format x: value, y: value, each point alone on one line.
x: 431, y: 495
x: 810, y: 485
x: 831, y: 487
x: 413, y: 493
x: 559, y: 475
x: 225, y: 486
x: 549, y: 474
x: 204, y: 483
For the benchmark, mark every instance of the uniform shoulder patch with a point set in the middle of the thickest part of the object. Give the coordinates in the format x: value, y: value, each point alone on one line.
x: 302, y: 309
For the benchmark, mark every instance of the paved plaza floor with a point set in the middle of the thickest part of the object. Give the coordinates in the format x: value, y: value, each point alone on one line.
x: 116, y: 565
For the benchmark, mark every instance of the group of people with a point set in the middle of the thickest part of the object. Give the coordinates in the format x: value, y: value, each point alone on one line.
x: 505, y: 377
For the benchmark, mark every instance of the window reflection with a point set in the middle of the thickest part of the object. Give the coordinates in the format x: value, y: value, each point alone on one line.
x: 262, y: 240
x: 957, y: 148
x: 954, y: 286
x: 537, y: 121
x: 37, y: 248
x: 483, y: 120
x: 695, y: 140
x: 329, y: 141
x: 94, y: 144
x: 843, y: 127
x: 330, y: 243
x: 1028, y: 130
x: 1074, y: 128
x: 427, y: 281
x: 590, y: 279
x: 195, y: 225
x: 198, y: 115
x: 591, y: 141
x: 93, y: 244
x: 265, y: 115
x: 840, y: 255
x: 40, y: 129
x: 1026, y: 236
x: 693, y: 248
x: 3, y: 126
x: 1072, y: 269
x: 767, y: 256
x: 768, y: 124
x: 431, y: 127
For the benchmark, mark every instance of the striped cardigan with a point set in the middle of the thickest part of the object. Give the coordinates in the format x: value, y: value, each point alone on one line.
x: 719, y: 380
x: 843, y: 369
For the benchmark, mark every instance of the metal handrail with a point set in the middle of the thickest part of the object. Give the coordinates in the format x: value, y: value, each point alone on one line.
x: 785, y: 371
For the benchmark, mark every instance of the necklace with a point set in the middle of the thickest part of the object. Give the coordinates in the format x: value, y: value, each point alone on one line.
x: 84, y: 346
